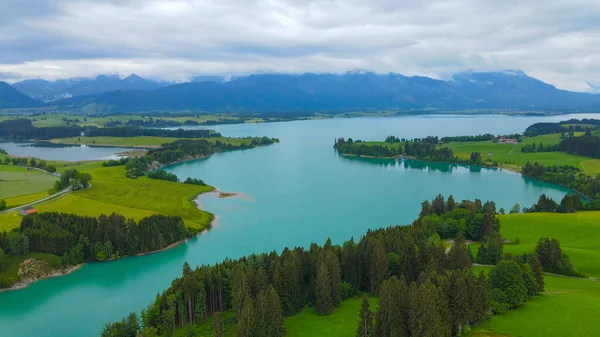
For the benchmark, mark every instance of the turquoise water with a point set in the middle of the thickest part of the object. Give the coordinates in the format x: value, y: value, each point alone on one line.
x: 49, y: 151
x: 291, y: 193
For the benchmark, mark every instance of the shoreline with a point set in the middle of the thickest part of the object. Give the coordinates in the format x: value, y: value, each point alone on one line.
x: 500, y: 167
x: 55, y: 273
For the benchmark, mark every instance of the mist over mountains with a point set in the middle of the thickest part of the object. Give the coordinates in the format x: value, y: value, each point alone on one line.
x: 48, y: 91
x: 352, y: 91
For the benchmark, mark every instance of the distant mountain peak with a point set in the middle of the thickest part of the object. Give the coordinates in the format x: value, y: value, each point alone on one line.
x: 51, y: 91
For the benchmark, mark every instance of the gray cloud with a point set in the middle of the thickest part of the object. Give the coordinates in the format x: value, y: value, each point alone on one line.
x: 556, y: 41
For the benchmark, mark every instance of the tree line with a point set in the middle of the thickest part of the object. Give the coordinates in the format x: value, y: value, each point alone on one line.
x: 20, y: 129
x: 464, y: 139
x: 83, y: 238
x: 422, y: 290
x: 565, y: 175
x: 586, y: 145
x: 529, y: 148
x: 571, y: 125
x: 420, y: 148
x: 183, y: 149
x: 129, y: 131
x: 32, y: 162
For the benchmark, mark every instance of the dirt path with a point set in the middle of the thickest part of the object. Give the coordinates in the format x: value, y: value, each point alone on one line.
x: 513, y: 148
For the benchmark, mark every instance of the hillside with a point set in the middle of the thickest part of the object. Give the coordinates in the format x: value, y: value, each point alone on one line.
x: 13, y: 98
x: 54, y: 90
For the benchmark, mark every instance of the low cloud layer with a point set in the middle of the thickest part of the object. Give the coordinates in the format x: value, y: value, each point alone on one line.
x: 557, y: 41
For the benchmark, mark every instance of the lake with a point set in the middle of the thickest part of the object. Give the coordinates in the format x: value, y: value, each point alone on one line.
x: 292, y: 193
x: 62, y: 152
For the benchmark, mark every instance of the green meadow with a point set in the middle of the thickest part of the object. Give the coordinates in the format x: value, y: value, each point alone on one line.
x: 24, y: 199
x: 14, y: 262
x: 112, y: 192
x: 568, y: 307
x: 577, y: 233
x: 16, y: 181
x: 510, y: 156
x: 343, y: 321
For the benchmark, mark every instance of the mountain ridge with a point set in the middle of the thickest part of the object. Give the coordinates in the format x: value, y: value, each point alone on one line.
x: 351, y: 91
x: 50, y: 91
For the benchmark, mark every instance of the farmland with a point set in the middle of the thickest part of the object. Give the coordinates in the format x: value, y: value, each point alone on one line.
x: 18, y: 181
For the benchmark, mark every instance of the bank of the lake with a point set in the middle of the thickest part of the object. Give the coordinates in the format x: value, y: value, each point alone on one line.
x: 301, y: 191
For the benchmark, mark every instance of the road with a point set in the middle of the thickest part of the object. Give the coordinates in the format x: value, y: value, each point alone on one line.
x: 50, y: 197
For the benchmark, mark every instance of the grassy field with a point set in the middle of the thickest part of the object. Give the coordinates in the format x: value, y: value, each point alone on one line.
x: 25, y: 199
x: 111, y: 192
x: 569, y: 307
x: 141, y: 141
x: 13, y: 263
x: 17, y: 181
x: 578, y: 234
x: 343, y: 321
x: 510, y: 155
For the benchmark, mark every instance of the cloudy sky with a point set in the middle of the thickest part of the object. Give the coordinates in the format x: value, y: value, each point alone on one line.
x: 557, y: 41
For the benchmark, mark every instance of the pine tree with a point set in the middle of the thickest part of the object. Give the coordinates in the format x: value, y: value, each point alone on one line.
x: 379, y: 266
x: 290, y: 292
x: 459, y: 256
x: 200, y: 310
x: 392, y: 311
x: 261, y: 313
x: 461, y: 283
x: 260, y: 282
x: 349, y: 263
x: 335, y: 276
x: 218, y: 324
x: 246, y: 319
x: 240, y: 289
x: 450, y: 204
x: 365, y: 319
x: 275, y: 322
x: 426, y: 317
x: 323, y: 299
x: 538, y: 272
x: 480, y: 302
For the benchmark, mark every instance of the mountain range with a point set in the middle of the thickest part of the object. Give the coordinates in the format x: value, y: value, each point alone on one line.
x: 49, y: 91
x: 352, y: 91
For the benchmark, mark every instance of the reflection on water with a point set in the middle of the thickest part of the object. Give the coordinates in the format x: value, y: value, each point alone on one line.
x: 413, y: 164
x: 62, y: 152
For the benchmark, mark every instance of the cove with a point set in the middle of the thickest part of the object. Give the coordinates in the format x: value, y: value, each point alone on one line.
x: 62, y: 152
x: 292, y: 193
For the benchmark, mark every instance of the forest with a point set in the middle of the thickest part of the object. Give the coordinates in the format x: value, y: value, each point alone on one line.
x: 83, y: 238
x: 129, y: 131
x: 78, y: 239
x: 565, y: 175
x: 586, y: 145
x: 573, y: 125
x: 420, y: 148
x: 422, y: 290
x: 462, y: 139
x: 20, y: 129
